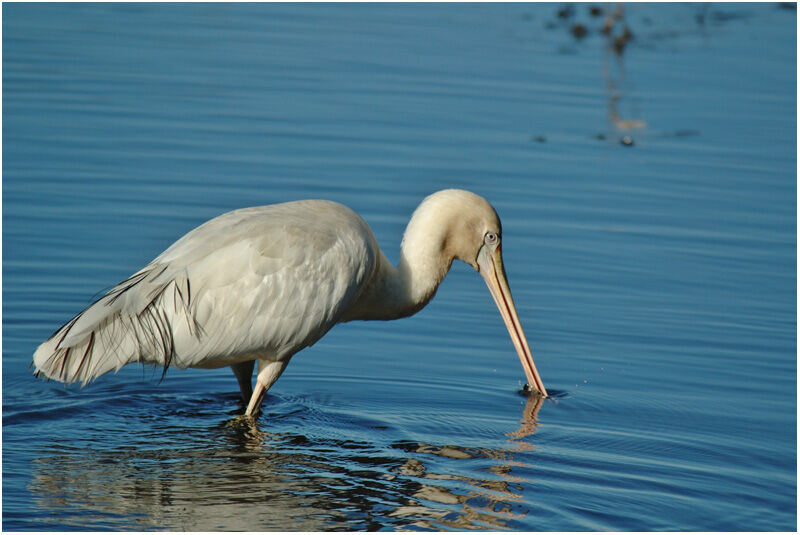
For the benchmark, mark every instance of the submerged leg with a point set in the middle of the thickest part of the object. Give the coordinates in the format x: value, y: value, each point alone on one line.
x: 268, y: 373
x: 244, y: 374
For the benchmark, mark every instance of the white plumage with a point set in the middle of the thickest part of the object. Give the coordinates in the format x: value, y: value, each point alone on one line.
x: 262, y: 283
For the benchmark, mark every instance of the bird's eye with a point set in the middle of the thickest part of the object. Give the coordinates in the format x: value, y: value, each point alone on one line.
x: 490, y: 238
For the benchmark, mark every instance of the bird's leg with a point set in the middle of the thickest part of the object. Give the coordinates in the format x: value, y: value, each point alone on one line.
x: 244, y: 374
x: 268, y: 373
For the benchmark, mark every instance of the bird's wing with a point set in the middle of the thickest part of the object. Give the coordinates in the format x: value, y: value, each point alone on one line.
x: 259, y: 281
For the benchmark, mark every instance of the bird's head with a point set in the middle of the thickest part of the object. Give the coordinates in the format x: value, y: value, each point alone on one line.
x: 468, y: 228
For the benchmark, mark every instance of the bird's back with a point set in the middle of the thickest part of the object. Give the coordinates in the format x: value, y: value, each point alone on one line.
x: 267, y: 280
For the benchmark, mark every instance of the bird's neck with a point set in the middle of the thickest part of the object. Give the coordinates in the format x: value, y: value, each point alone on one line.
x: 420, y: 271
x: 398, y: 292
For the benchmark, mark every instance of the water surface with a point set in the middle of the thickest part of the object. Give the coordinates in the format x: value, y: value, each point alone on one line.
x: 647, y: 188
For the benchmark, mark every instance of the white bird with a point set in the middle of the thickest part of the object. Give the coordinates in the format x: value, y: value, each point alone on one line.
x: 262, y: 283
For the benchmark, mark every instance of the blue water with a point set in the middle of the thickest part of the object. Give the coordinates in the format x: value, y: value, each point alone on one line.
x: 648, y: 195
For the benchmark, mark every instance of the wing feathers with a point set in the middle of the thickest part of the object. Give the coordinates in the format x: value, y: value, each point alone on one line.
x: 131, y: 323
x: 264, y: 281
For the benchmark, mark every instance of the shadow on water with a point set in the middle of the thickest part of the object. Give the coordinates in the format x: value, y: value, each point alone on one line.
x: 239, y: 476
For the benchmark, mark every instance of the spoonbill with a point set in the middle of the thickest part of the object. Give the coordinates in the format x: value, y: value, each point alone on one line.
x: 262, y: 283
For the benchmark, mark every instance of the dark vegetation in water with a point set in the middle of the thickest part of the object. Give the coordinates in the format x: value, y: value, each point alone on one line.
x: 551, y: 394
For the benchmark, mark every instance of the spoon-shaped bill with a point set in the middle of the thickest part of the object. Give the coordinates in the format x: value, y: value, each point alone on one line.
x: 490, y: 261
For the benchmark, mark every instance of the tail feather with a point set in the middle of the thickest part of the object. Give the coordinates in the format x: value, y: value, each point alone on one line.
x: 133, y: 322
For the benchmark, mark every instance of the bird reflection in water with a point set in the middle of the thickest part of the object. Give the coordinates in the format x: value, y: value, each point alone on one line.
x: 164, y: 488
x: 237, y: 476
x: 528, y: 423
x: 490, y: 503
